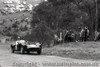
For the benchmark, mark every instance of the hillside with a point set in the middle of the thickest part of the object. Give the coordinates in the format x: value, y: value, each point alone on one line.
x: 2, y: 5
x: 7, y: 21
x: 14, y: 24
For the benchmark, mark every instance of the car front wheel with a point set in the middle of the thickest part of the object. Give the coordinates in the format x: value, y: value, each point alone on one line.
x: 22, y: 50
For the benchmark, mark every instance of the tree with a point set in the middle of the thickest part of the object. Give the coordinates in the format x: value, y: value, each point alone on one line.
x: 67, y: 14
x: 91, y: 8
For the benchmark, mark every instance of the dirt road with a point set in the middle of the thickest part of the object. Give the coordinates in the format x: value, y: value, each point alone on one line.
x: 7, y: 59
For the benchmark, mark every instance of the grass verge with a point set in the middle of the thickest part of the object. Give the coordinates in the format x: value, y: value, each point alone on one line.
x: 77, y: 50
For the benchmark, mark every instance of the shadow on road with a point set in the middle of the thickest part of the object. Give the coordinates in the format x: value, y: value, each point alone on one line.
x: 31, y: 53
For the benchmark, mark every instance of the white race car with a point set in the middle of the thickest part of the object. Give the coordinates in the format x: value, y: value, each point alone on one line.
x: 25, y: 46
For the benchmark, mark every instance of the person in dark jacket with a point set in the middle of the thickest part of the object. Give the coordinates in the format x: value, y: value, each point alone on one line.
x: 86, y: 34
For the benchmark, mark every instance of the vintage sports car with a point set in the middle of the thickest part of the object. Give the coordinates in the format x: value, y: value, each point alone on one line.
x: 25, y: 46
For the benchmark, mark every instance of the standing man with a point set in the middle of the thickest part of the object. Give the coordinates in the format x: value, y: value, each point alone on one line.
x: 86, y: 34
x: 96, y: 35
x: 82, y: 34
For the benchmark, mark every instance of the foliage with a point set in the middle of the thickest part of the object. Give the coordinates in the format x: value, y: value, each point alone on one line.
x: 41, y: 33
x: 64, y: 14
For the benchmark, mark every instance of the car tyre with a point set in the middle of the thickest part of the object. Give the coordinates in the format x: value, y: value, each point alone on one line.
x: 39, y: 51
x: 12, y: 49
x: 22, y: 50
x: 28, y: 52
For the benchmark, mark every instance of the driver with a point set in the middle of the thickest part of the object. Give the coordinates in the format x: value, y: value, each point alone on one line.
x: 20, y: 42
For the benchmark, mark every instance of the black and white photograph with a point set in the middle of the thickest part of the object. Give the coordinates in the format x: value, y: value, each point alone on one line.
x: 49, y: 33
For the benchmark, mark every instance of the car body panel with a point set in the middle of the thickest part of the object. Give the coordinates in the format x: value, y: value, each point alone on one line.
x: 33, y: 46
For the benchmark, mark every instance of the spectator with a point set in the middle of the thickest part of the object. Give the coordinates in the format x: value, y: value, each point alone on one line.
x: 82, y: 34
x: 86, y: 34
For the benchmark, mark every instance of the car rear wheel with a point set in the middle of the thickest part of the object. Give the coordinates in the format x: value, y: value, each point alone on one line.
x: 12, y: 49
x: 39, y: 51
x: 28, y: 52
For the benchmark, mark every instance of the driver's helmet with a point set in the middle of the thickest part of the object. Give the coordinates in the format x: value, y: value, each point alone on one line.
x: 19, y: 38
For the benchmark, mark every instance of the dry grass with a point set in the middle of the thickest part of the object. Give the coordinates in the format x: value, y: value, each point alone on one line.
x: 77, y: 50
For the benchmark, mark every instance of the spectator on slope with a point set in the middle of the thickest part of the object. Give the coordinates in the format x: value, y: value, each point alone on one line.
x: 86, y: 34
x: 97, y: 34
x: 66, y: 36
x: 82, y: 34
